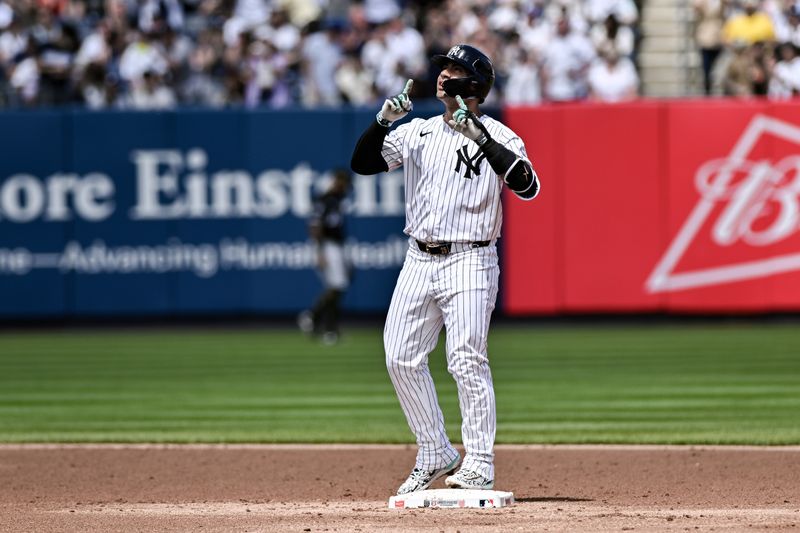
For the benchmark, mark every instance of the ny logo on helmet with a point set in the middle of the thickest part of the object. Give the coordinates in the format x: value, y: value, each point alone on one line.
x: 454, y: 51
x: 471, y: 163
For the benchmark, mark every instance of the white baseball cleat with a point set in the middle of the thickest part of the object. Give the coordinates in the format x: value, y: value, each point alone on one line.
x: 421, y: 479
x: 329, y: 338
x: 467, y: 479
x: 305, y: 321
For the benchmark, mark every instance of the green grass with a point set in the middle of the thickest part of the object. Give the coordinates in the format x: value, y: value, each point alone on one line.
x: 728, y: 384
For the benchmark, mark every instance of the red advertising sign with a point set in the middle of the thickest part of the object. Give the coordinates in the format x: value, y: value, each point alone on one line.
x: 681, y: 206
x: 734, y: 212
x: 533, y: 263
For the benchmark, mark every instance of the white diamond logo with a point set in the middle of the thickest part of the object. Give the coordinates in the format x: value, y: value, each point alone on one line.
x: 748, y: 188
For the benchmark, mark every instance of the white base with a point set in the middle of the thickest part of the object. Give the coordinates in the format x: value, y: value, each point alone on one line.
x: 452, y: 498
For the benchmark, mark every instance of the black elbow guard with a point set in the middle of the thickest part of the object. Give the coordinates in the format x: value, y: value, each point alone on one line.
x: 521, y: 179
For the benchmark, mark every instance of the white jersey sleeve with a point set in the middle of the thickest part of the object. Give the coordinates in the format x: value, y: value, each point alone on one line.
x: 395, y: 143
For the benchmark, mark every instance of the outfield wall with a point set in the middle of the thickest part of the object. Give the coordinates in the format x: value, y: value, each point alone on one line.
x: 681, y: 206
x: 653, y: 206
x: 117, y: 213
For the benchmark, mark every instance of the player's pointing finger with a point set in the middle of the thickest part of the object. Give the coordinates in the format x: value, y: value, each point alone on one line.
x: 409, y: 83
x: 461, y: 103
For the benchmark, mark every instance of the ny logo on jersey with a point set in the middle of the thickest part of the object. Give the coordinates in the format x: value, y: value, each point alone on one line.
x: 471, y: 164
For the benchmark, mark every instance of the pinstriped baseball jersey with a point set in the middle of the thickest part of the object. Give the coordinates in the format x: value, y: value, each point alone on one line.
x: 452, y: 193
x: 453, y: 196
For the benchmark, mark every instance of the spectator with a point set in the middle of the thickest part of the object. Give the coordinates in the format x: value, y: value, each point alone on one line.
x: 784, y: 82
x: 234, y: 69
x: 398, y: 56
x: 472, y: 20
x: 565, y: 64
x: 260, y: 75
x: 708, y: 36
x: 94, y: 88
x: 572, y: 10
x: 55, y: 67
x: 247, y: 16
x: 612, y: 33
x: 793, y: 23
x: 154, y: 14
x: 152, y: 93
x: 6, y: 16
x: 95, y: 48
x: 305, y: 52
x: 738, y: 77
x: 437, y: 33
x: 201, y: 86
x: 613, y: 78
x: 320, y: 55
x: 357, y: 29
x: 535, y: 31
x: 524, y: 84
x: 47, y: 29
x: 177, y: 49
x: 24, y: 78
x: 407, y: 47
x: 301, y: 13
x: 504, y: 17
x: 787, y: 23
x: 381, y: 11
x: 117, y: 17
x: 763, y: 64
x: 355, y: 83
x: 143, y: 54
x: 13, y: 42
x: 283, y: 35
x: 624, y: 11
x: 209, y: 14
x: 750, y: 26
x: 373, y: 57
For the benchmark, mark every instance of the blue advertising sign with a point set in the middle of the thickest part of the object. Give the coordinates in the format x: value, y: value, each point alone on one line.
x: 185, y: 212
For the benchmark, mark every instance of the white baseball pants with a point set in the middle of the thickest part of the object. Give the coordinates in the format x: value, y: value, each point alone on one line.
x: 458, y: 291
x: 334, y: 273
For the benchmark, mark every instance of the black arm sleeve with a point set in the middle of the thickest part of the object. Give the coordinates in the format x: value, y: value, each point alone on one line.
x: 367, y: 158
x: 499, y: 157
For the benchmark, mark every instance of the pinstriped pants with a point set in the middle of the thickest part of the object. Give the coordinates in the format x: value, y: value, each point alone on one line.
x: 457, y: 291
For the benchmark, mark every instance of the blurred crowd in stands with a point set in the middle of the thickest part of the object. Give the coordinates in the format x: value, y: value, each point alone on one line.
x: 159, y: 54
x: 749, y: 47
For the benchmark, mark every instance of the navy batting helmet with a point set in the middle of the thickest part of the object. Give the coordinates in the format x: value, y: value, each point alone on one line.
x: 478, y: 65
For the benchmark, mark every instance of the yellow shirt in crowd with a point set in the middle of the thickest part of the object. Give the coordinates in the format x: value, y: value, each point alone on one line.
x: 750, y: 28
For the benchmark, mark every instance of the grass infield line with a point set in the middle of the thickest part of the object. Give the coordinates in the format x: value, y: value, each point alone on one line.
x: 698, y: 384
x: 347, y: 447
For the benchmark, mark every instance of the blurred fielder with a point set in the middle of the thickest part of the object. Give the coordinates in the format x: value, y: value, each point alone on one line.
x: 326, y: 228
x: 455, y: 166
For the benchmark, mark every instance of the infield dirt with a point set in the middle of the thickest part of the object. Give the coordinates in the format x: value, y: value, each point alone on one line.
x: 277, y: 488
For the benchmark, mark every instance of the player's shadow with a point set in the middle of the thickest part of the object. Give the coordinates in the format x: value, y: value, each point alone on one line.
x: 552, y: 499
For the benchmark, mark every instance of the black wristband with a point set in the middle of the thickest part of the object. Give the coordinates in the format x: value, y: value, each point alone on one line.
x: 382, y: 121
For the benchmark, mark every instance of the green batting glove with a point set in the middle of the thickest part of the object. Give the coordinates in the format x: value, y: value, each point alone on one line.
x: 396, y: 107
x: 402, y: 100
x: 466, y: 123
x: 462, y: 113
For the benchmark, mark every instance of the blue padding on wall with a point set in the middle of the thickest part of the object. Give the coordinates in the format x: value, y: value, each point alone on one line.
x: 186, y: 212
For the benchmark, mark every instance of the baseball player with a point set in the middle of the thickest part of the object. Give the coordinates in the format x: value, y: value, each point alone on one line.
x: 326, y: 228
x: 455, y: 167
